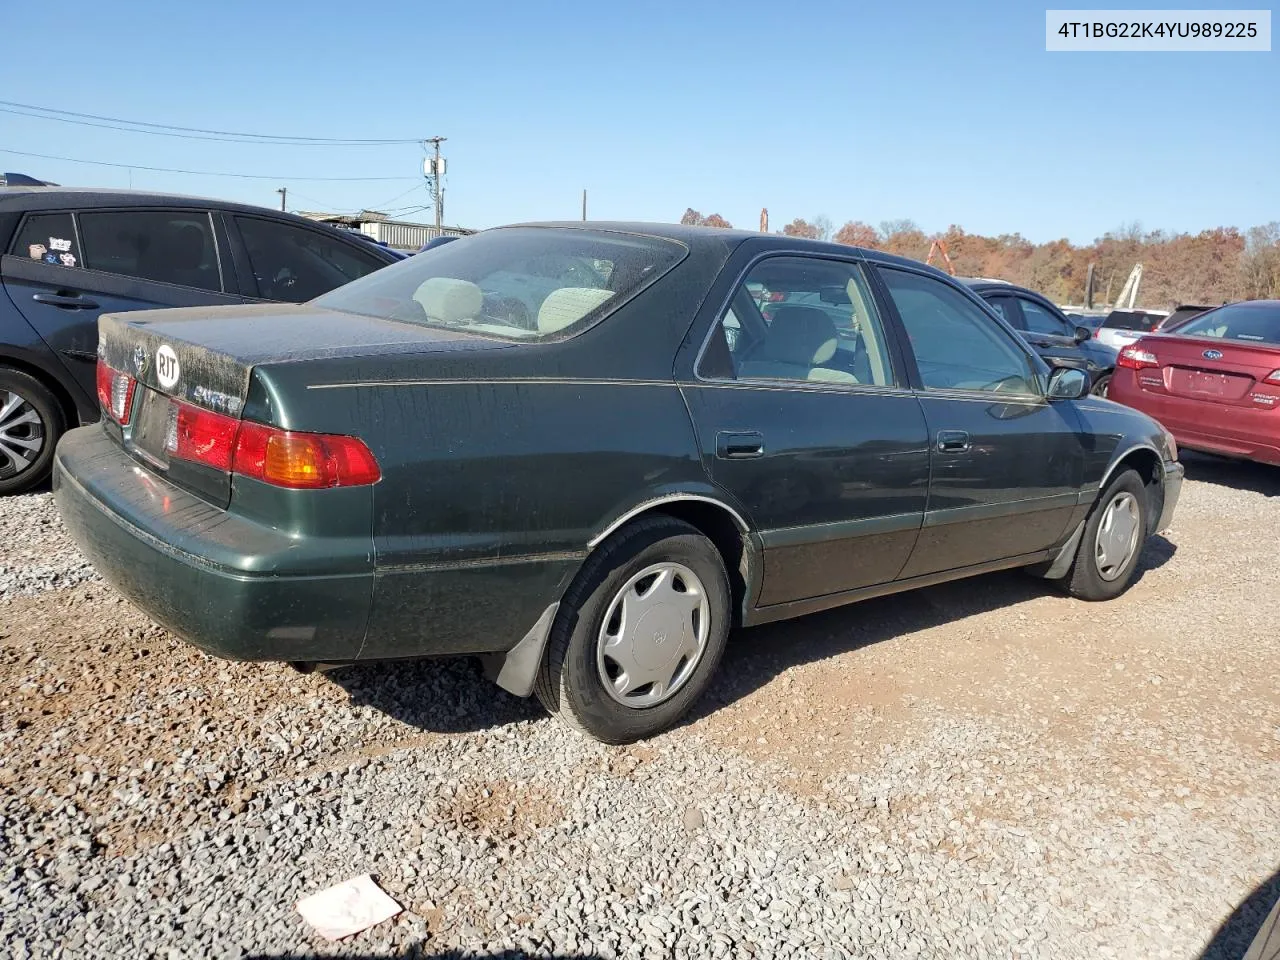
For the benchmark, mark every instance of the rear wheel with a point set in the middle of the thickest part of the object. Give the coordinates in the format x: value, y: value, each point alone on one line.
x: 1101, y: 385
x: 31, y: 421
x: 1112, y: 541
x: 639, y: 633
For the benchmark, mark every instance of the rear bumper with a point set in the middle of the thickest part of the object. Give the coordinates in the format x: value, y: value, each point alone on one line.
x: 225, y: 584
x: 1250, y: 433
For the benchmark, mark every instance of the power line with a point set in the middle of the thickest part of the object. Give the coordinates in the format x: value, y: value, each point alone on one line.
x: 398, y: 196
x: 320, y: 204
x: 191, y: 136
x: 194, y: 133
x: 201, y: 173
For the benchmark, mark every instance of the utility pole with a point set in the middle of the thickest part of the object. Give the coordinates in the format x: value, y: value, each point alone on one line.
x: 584, y: 206
x: 283, y: 191
x: 434, y: 169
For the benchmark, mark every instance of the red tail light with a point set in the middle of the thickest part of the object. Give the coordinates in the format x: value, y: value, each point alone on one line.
x: 202, y: 436
x: 283, y: 458
x: 303, y: 461
x: 115, y: 392
x: 1272, y: 377
x: 1135, y: 358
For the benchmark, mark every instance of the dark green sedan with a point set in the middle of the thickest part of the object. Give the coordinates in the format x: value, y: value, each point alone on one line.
x: 586, y: 452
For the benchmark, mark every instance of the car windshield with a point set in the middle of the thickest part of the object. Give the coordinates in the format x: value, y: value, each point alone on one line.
x: 1239, y: 321
x: 524, y: 283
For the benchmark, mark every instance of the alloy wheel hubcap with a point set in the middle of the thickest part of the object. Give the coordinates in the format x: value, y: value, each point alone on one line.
x: 21, y: 433
x: 654, y: 635
x: 1117, y: 538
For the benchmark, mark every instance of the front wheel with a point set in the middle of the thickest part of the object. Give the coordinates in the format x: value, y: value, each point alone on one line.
x: 639, y: 633
x: 1101, y: 386
x: 31, y: 421
x: 1112, y: 541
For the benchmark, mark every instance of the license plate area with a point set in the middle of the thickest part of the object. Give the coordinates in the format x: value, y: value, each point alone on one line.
x: 1208, y: 384
x: 155, y: 427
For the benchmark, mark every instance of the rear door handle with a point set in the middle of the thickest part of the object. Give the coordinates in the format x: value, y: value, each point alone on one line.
x: 76, y: 302
x: 740, y: 445
x: 953, y: 441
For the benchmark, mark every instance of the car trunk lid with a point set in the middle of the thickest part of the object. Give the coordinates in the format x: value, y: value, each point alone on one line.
x: 188, y: 361
x: 1212, y: 369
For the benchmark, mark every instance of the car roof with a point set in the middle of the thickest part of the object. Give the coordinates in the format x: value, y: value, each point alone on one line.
x: 26, y: 198
x: 51, y: 198
x: 981, y: 284
x: 718, y: 236
x: 1251, y: 305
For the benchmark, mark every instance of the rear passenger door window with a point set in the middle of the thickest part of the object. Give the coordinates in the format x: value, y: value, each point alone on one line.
x: 169, y: 246
x: 1040, y: 320
x: 48, y: 238
x: 1008, y: 310
x: 295, y: 264
x: 801, y: 318
x: 956, y: 345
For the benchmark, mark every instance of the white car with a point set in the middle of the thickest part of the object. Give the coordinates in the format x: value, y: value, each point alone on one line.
x: 1123, y: 327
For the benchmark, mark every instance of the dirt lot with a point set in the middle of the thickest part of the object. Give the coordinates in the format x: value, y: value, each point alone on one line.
x: 981, y: 769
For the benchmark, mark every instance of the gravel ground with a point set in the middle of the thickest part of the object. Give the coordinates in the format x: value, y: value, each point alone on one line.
x: 983, y: 769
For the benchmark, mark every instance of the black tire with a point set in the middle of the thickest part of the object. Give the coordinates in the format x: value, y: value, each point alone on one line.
x: 569, y: 684
x: 1084, y: 580
x: 1101, y: 385
x: 52, y: 423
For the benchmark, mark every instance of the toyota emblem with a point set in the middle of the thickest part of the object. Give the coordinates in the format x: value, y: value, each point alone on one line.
x: 139, y: 359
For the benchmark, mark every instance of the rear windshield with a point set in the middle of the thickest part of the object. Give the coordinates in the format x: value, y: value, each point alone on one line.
x: 1238, y: 321
x: 1129, y: 320
x: 1182, y: 314
x: 522, y: 283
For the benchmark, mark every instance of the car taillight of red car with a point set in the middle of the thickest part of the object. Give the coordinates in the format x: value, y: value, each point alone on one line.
x: 1135, y: 358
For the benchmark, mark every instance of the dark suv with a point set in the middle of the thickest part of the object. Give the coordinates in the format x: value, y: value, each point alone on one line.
x: 71, y: 254
x: 1048, y: 330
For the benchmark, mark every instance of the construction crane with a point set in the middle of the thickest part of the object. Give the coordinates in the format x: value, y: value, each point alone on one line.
x: 940, y: 246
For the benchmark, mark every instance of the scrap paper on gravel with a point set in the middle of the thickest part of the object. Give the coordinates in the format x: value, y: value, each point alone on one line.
x: 351, y: 906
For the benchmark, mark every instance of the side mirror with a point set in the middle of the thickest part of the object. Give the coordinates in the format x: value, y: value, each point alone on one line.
x: 1068, y: 383
x: 1082, y: 334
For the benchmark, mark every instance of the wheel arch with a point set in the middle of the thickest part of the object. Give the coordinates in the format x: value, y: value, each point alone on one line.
x: 55, y: 385
x: 1149, y: 465
x: 720, y: 523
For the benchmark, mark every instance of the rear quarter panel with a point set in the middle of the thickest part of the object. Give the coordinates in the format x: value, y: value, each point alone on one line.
x: 500, y: 466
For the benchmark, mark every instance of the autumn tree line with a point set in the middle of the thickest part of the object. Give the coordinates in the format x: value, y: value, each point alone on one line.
x: 1210, y: 267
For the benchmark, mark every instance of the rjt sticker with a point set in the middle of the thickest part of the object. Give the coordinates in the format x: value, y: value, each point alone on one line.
x: 167, y: 369
x: 1158, y: 30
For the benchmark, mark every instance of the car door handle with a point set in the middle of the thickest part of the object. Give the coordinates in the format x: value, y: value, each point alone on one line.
x: 953, y: 441
x: 744, y: 445
x: 76, y: 302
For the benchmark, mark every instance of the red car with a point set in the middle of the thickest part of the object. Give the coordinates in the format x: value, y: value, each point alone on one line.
x: 1213, y: 381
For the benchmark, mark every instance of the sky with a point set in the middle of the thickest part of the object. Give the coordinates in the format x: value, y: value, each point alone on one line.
x: 939, y: 112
